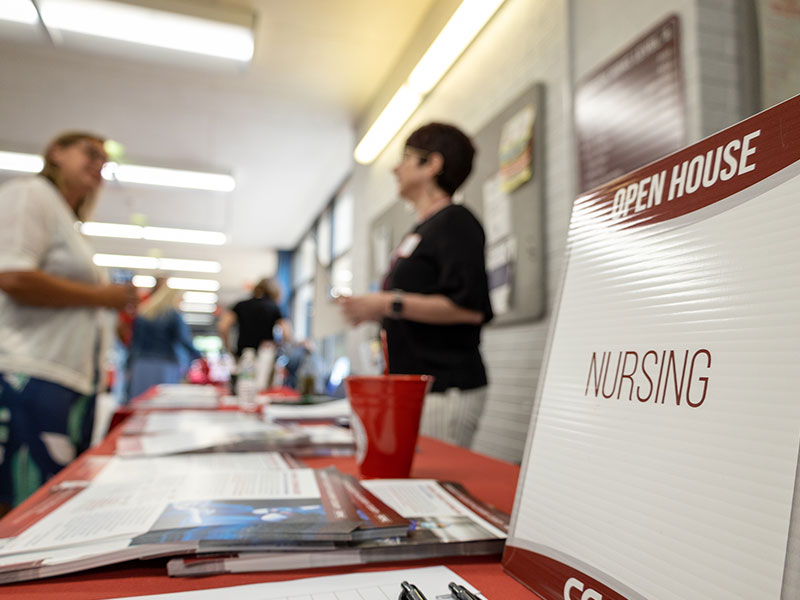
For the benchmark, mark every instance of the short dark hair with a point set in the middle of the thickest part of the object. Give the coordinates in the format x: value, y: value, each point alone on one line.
x: 454, y: 146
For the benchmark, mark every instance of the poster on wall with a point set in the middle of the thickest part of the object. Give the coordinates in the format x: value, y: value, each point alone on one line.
x: 516, y: 149
x: 662, y: 458
x: 631, y: 110
x: 779, y: 32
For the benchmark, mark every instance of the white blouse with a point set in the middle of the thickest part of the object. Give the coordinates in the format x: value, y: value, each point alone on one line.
x: 38, y: 231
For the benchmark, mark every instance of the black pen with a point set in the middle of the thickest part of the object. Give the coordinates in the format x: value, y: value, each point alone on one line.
x: 410, y: 592
x: 461, y: 593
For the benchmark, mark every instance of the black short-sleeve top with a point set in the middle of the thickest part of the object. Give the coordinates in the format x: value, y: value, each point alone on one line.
x: 442, y: 255
x: 257, y: 318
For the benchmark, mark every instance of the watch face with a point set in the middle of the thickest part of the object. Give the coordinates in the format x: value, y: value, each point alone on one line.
x: 397, y: 306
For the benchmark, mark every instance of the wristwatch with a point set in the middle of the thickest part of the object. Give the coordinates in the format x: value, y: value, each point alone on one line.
x: 397, y: 305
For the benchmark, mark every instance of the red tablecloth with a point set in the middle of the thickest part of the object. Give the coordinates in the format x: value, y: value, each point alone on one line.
x: 490, y: 480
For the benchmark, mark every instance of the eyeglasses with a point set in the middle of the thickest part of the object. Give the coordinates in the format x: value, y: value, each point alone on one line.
x: 93, y: 154
x: 420, y: 155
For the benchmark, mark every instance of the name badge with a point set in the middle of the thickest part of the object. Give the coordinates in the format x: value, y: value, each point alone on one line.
x: 408, y: 245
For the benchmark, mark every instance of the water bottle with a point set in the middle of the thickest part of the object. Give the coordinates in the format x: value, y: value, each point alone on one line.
x: 246, y: 377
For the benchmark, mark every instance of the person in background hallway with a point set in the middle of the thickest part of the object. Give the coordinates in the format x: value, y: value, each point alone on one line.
x: 125, y: 320
x: 126, y: 317
x: 50, y: 315
x: 435, y: 296
x: 256, y: 318
x: 159, y: 331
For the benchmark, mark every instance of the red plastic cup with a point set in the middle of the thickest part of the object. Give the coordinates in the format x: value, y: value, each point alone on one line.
x: 386, y: 411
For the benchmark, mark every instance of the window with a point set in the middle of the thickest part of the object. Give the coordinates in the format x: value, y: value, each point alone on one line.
x: 304, y: 262
x: 342, y: 275
x: 324, y: 238
x: 342, y: 223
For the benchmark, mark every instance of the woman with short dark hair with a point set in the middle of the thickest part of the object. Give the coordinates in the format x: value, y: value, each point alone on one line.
x: 435, y: 296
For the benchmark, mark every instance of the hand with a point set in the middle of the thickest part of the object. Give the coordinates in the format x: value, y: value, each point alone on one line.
x: 369, y: 307
x: 118, y: 296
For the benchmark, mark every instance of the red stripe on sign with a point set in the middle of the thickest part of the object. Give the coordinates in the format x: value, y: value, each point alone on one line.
x: 553, y: 580
x: 699, y: 175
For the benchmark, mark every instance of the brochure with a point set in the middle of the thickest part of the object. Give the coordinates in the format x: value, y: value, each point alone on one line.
x: 162, y: 433
x: 446, y: 520
x: 135, y: 508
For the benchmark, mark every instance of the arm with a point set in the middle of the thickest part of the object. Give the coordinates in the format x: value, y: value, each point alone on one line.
x: 226, y: 321
x: 423, y: 308
x: 286, y: 330
x: 37, y: 288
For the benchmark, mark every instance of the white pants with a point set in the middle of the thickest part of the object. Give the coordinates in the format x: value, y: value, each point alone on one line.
x: 453, y: 415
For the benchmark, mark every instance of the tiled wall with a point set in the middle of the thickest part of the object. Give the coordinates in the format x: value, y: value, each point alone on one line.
x: 528, y: 42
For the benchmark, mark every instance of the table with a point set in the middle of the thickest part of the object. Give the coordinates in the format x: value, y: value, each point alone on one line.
x: 491, y: 480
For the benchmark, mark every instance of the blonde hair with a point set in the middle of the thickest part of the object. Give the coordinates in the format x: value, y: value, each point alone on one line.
x: 159, y: 302
x: 52, y: 171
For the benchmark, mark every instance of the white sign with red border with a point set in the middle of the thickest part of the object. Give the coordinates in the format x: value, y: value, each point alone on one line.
x: 662, y: 457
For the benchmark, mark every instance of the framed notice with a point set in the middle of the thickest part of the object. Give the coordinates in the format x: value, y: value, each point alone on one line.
x: 662, y: 457
x: 630, y: 111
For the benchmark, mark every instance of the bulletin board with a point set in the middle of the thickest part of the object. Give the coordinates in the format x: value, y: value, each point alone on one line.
x: 508, y: 204
x: 631, y: 110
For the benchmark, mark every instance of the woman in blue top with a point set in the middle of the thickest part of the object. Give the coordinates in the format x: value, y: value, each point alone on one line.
x: 159, y: 331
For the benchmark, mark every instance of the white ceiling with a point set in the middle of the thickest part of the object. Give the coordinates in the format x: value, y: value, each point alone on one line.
x: 283, y: 127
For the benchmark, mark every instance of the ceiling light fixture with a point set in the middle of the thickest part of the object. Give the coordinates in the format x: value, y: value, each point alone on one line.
x: 187, y: 236
x: 149, y: 262
x: 198, y: 319
x: 150, y: 27
x: 465, y: 23
x: 396, y: 113
x: 159, y: 176
x: 113, y: 230
x: 160, y: 234
x: 186, y: 283
x: 200, y: 297
x: 144, y: 281
x: 24, y: 163
x: 18, y: 11
x: 191, y: 180
x: 197, y: 308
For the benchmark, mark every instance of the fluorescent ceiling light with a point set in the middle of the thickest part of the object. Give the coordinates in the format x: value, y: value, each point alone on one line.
x: 18, y: 11
x: 182, y: 264
x: 197, y: 308
x: 198, y: 319
x: 114, y: 230
x: 125, y: 262
x: 200, y: 297
x: 188, y: 236
x: 24, y: 163
x: 144, y: 281
x: 461, y: 29
x: 465, y: 23
x: 192, y: 180
x: 150, y: 27
x: 150, y: 262
x: 396, y: 113
x: 161, y: 234
x: 185, y: 283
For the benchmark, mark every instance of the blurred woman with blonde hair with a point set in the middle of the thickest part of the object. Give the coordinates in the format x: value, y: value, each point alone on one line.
x: 51, y: 296
x: 159, y: 332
